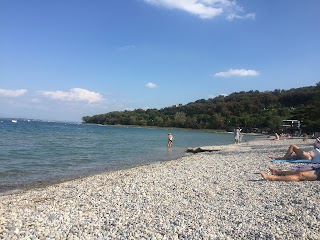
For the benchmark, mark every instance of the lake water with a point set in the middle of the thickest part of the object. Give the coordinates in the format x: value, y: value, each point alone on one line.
x: 34, y: 153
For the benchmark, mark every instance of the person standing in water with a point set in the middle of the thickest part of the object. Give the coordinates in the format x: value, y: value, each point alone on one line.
x: 170, y: 139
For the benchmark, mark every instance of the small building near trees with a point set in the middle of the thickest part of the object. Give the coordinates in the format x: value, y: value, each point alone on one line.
x: 291, y: 126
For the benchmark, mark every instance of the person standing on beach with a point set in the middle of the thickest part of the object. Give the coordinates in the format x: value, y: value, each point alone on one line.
x: 240, y: 135
x: 237, y: 134
x: 170, y: 139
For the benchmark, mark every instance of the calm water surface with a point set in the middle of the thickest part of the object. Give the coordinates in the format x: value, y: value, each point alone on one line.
x: 38, y: 152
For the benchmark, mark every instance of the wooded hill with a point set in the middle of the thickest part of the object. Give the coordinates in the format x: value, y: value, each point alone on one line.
x: 249, y: 110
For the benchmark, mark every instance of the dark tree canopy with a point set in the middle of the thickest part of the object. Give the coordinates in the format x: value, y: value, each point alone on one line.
x: 249, y: 110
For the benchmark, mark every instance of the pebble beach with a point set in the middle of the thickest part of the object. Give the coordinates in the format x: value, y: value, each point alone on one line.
x: 207, y: 195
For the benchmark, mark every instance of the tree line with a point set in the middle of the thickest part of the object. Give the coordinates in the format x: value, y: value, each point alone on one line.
x: 252, y: 110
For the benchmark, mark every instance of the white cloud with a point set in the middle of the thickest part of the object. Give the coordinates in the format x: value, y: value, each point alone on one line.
x: 126, y: 47
x: 12, y: 93
x: 206, y: 8
x: 237, y: 73
x: 251, y: 16
x: 75, y: 94
x: 151, y: 85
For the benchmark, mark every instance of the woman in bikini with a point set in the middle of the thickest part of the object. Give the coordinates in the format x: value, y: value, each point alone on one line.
x: 294, y: 152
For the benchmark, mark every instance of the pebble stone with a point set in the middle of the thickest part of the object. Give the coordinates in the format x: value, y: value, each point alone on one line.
x: 208, y: 195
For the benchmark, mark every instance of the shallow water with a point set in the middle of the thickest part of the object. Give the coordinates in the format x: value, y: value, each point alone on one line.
x: 35, y: 152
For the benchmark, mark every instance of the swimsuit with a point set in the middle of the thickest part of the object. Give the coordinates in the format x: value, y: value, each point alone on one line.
x: 316, y: 158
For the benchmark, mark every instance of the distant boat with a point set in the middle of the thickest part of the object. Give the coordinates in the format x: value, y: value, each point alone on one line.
x: 14, y: 120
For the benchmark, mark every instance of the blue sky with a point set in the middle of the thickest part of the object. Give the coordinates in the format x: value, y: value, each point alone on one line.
x: 65, y: 59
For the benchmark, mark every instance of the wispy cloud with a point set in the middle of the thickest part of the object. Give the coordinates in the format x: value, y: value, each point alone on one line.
x: 151, y: 85
x: 12, y: 93
x: 206, y: 8
x: 126, y: 47
x: 75, y: 94
x: 237, y: 73
x: 251, y: 16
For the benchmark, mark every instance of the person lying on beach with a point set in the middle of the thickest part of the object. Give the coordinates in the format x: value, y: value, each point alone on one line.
x: 294, y: 152
x: 303, y: 174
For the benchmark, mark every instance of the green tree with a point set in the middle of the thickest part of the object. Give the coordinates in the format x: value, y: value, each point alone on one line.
x: 158, y: 121
x: 180, y: 119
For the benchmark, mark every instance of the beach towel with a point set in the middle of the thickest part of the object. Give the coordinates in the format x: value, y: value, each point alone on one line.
x: 291, y: 160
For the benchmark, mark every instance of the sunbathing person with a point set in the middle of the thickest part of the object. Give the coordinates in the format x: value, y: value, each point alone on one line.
x: 276, y: 137
x: 294, y: 152
x: 303, y: 174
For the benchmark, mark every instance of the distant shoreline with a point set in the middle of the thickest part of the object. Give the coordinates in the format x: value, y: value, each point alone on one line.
x: 173, y: 128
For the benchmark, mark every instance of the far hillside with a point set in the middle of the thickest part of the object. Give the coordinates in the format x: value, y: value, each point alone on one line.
x: 252, y: 111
